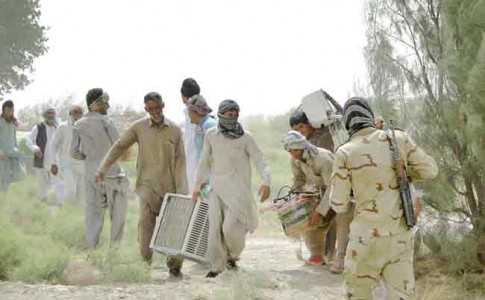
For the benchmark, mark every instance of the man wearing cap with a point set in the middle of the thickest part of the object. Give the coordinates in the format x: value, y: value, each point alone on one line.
x: 39, y: 142
x: 226, y: 155
x: 71, y: 171
x: 92, y: 137
x: 312, y: 166
x: 381, y: 245
x: 160, y: 168
x: 189, y: 89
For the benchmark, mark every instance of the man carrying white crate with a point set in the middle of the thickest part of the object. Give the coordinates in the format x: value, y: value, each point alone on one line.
x: 227, y: 154
x: 160, y: 167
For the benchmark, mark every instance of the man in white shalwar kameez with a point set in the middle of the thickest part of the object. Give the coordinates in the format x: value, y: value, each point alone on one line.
x: 70, y: 170
x: 39, y: 142
x: 226, y: 155
x: 189, y: 88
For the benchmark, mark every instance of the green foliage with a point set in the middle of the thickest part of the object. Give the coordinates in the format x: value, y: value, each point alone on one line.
x: 12, y: 249
x: 68, y: 228
x: 121, y: 264
x: 22, y: 39
x: 45, y: 261
x: 40, y: 257
x: 41, y: 240
x: 456, y: 250
x: 24, y: 210
x: 435, y: 51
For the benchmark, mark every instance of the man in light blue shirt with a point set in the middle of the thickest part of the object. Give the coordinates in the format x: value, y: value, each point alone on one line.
x: 199, y: 114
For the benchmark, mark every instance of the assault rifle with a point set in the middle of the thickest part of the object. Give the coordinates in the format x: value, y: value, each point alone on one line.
x: 403, y: 180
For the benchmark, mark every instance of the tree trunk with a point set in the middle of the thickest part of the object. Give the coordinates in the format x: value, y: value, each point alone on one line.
x: 479, y: 223
x: 470, y: 196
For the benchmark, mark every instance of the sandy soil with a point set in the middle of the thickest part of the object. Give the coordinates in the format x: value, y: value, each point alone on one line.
x: 269, y: 269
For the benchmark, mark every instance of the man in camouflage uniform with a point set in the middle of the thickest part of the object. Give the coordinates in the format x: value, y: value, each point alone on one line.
x: 312, y: 166
x: 381, y: 246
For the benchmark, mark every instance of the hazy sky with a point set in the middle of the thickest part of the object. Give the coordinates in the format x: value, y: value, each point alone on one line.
x: 264, y: 54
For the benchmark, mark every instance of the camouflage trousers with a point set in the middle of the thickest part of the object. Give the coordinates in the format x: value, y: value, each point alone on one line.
x: 386, y: 259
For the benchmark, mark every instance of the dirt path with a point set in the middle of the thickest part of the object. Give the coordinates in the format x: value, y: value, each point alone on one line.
x: 269, y: 270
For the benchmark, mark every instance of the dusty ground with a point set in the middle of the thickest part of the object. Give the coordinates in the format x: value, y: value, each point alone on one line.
x: 269, y: 270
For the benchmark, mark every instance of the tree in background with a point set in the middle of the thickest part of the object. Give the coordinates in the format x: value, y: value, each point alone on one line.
x: 22, y: 40
x: 29, y: 116
x: 433, y: 53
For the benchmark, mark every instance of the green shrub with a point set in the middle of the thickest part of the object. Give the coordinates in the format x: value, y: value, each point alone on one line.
x: 11, y: 249
x: 45, y: 261
x: 24, y: 210
x: 67, y: 227
x: 121, y: 264
x: 454, y: 247
x: 129, y: 273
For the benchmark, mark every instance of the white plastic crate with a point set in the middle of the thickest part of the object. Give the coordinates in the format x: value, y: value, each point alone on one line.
x: 320, y: 111
x: 182, y: 228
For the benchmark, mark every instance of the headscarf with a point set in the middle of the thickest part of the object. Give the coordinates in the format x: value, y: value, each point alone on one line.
x: 198, y: 104
x: 100, y: 103
x: 297, y: 141
x: 229, y: 127
x: 357, y: 115
x: 298, y: 117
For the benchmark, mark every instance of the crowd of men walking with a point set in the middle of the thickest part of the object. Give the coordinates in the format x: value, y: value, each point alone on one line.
x: 358, y: 222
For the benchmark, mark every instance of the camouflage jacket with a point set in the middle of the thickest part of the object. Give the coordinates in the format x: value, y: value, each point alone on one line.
x: 365, y: 166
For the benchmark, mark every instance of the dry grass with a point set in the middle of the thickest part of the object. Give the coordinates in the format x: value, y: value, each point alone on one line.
x: 437, y: 282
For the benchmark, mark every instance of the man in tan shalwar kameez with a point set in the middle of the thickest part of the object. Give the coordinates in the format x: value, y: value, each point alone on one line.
x: 312, y: 166
x: 339, y: 230
x: 160, y: 166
